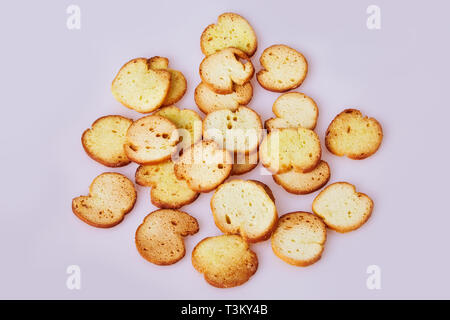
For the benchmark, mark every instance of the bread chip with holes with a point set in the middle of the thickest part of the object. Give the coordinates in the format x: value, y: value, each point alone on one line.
x: 293, y: 110
x: 283, y: 68
x: 204, y: 166
x: 246, y: 208
x: 342, y: 208
x: 139, y: 87
x: 225, y: 261
x: 222, y: 70
x: 111, y: 197
x: 104, y: 141
x: 287, y: 148
x: 244, y: 163
x: 159, y: 239
x: 299, y: 238
x: 208, y: 101
x: 353, y: 135
x: 167, y: 191
x: 151, y: 139
x: 231, y: 30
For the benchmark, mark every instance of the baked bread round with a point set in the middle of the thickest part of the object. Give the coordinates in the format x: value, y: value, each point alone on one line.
x: 244, y: 163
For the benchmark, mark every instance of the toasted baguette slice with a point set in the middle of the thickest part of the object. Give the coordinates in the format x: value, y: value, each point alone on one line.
x: 139, y: 87
x: 188, y: 122
x: 299, y: 238
x: 284, y: 149
x: 226, y: 261
x: 304, y: 183
x: 104, y: 141
x: 159, y: 239
x: 246, y: 208
x: 237, y: 131
x: 204, y: 166
x: 353, y: 135
x: 293, y: 110
x: 111, y: 197
x: 151, y: 139
x: 283, y: 68
x: 167, y: 191
x: 208, y: 101
x: 221, y: 70
x: 342, y: 208
x: 178, y: 84
x: 244, y: 163
x: 231, y: 30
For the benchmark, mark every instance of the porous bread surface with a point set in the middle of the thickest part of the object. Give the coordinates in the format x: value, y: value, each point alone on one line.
x: 208, y: 101
x: 283, y: 68
x: 104, y: 141
x: 111, y: 196
x: 304, y: 183
x: 293, y: 109
x: 188, y: 122
x: 353, y: 135
x: 159, y: 239
x: 244, y: 163
x: 287, y: 148
x: 342, y: 208
x: 151, y: 139
x: 204, y: 166
x: 245, y: 208
x: 139, y: 87
x: 221, y: 70
x: 178, y: 83
x: 226, y: 261
x: 231, y: 30
x: 299, y: 238
x: 167, y: 191
x: 237, y: 131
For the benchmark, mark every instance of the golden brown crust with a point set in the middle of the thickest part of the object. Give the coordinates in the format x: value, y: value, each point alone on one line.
x: 251, y: 162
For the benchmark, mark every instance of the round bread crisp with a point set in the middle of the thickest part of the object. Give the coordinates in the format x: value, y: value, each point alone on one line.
x: 353, y: 135
x: 342, y: 208
x: 287, y: 148
x: 246, y: 208
x: 231, y: 30
x: 104, y: 141
x: 283, y: 68
x: 237, y: 131
x: 304, y: 183
x: 139, y: 87
x: 299, y: 238
x: 159, y: 239
x: 226, y: 261
x: 244, y: 163
x: 204, y: 166
x: 111, y: 197
x: 151, y: 139
x: 208, y: 101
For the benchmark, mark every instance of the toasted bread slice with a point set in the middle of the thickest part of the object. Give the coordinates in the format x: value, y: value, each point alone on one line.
x: 237, y: 131
x: 167, y: 191
x: 204, y: 166
x: 111, y: 197
x: 104, y: 141
x: 159, y: 239
x: 222, y: 70
x: 246, y: 208
x: 139, y: 87
x: 208, y: 101
x: 342, y: 208
x: 151, y: 139
x: 283, y: 68
x: 287, y: 148
x: 304, y: 183
x: 226, y: 261
x: 231, y: 30
x: 178, y: 84
x: 299, y: 238
x: 293, y: 110
x: 244, y: 163
x: 353, y: 135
